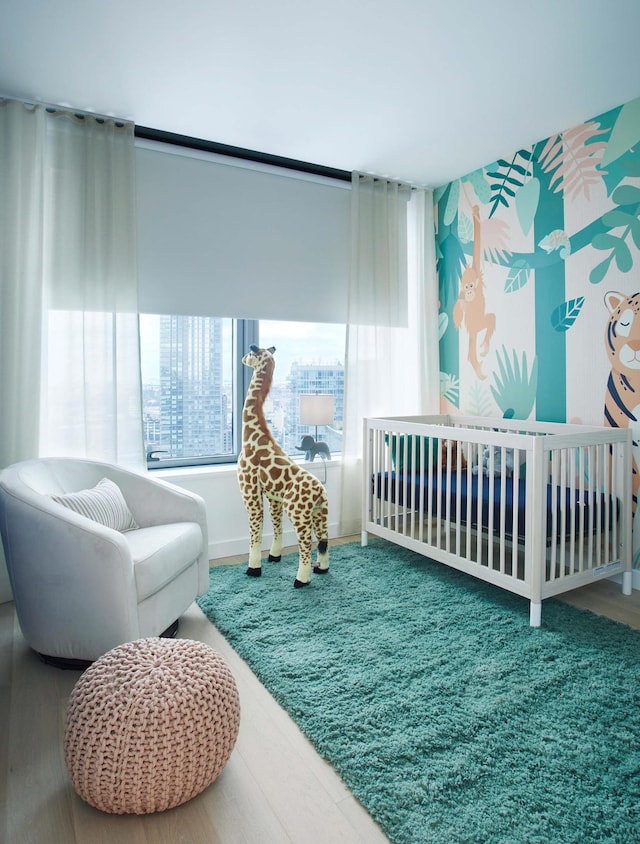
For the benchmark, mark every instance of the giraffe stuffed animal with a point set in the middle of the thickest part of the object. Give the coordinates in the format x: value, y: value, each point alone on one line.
x: 264, y: 470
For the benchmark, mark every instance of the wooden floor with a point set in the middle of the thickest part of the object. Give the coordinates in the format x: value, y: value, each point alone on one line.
x: 275, y: 788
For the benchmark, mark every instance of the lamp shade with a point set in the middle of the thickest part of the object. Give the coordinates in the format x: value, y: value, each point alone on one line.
x: 316, y: 409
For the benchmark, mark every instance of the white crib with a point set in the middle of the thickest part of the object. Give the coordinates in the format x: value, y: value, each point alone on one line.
x: 536, y: 508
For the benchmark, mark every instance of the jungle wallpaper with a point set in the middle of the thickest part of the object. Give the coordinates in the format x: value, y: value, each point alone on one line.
x: 538, y: 258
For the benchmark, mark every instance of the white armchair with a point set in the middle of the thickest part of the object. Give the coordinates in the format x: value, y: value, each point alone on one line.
x: 81, y: 588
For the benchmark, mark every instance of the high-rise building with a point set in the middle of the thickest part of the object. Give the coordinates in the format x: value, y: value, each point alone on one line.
x: 326, y: 378
x: 192, y: 403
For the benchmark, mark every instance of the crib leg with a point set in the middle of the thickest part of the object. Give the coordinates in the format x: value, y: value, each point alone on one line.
x: 364, y: 538
x: 627, y: 582
x: 535, y: 614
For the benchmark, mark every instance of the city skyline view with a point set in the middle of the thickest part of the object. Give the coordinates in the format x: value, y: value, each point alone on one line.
x: 295, y: 342
x: 189, y: 396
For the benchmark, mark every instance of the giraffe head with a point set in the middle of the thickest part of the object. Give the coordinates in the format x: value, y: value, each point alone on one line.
x: 260, y: 360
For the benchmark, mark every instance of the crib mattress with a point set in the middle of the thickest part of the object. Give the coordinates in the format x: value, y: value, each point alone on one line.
x: 569, y: 512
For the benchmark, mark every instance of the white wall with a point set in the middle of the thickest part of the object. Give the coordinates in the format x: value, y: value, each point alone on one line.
x: 226, y: 516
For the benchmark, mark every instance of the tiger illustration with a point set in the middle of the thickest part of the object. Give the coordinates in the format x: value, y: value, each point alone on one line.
x: 622, y: 397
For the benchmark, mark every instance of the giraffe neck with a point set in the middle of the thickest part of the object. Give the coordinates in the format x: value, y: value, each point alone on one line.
x: 253, y: 412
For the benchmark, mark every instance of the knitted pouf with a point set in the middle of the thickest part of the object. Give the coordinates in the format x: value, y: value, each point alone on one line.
x: 150, y: 724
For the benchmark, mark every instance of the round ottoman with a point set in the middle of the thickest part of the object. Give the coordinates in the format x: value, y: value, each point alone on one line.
x: 150, y: 724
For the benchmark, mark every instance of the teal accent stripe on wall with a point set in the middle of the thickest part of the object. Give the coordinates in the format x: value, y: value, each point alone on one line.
x: 450, y: 270
x: 551, y: 395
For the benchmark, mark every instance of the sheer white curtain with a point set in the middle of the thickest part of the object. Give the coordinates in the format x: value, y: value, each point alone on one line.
x: 69, y: 344
x: 391, y: 363
x: 69, y: 363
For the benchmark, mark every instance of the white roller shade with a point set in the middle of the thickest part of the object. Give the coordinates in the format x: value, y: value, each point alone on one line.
x: 219, y: 237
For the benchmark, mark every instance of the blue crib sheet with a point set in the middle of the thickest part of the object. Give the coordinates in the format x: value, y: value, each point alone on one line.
x: 585, y: 509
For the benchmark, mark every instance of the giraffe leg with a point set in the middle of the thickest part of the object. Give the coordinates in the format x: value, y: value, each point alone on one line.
x: 255, y: 509
x: 304, y: 557
x: 275, y: 508
x: 301, y: 521
x: 321, y: 530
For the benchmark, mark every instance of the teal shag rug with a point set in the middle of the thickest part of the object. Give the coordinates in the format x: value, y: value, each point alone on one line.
x: 445, y: 713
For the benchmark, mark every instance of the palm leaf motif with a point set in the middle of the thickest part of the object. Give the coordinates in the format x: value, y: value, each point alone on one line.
x: 566, y: 314
x: 495, y: 240
x: 478, y: 402
x: 625, y: 217
x: 574, y: 157
x: 449, y: 387
x: 508, y: 178
x: 515, y: 388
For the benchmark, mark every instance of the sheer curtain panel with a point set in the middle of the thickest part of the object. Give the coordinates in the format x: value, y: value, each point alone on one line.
x: 69, y: 344
x: 70, y: 365
x: 392, y: 341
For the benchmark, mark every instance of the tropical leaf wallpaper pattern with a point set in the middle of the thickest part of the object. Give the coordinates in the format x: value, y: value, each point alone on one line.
x: 559, y: 236
x: 588, y: 173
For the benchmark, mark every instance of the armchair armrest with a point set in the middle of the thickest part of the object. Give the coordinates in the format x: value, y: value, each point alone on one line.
x: 53, y: 544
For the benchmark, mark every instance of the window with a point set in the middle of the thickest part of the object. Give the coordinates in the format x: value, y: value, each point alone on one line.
x: 194, y: 384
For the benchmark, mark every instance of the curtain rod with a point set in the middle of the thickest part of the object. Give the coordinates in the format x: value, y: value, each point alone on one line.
x: 76, y: 112
x: 148, y: 134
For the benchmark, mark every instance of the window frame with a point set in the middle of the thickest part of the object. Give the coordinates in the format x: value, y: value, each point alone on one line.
x: 245, y: 332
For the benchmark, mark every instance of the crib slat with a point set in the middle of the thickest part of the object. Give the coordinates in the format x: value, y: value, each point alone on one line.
x: 468, y: 514
x: 458, y: 527
x: 551, y: 574
x: 591, y: 499
x: 515, y: 527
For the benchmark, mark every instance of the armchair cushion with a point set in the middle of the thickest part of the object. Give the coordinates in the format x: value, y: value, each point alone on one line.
x: 104, y: 503
x: 161, y: 553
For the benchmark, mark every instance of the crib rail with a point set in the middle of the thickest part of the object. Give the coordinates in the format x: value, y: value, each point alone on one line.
x: 537, y: 508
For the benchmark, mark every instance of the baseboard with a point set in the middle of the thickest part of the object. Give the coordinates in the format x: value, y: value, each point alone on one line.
x: 233, y: 547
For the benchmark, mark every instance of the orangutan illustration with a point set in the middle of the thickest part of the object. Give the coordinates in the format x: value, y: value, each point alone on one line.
x: 470, y: 307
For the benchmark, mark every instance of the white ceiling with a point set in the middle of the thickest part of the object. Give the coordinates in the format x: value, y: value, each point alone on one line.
x: 420, y: 90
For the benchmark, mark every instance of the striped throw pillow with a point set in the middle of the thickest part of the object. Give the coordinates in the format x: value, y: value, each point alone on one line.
x: 104, y: 504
